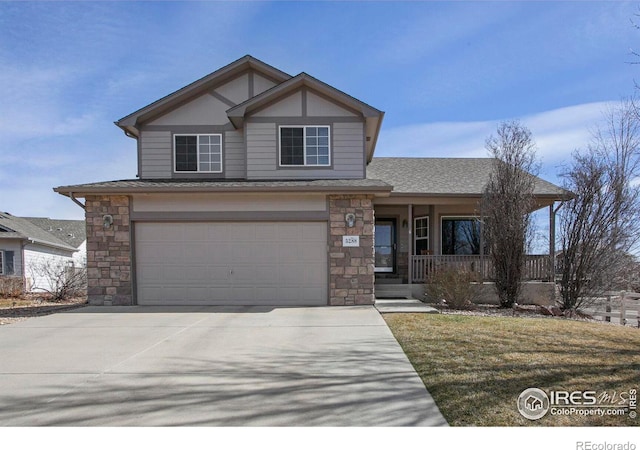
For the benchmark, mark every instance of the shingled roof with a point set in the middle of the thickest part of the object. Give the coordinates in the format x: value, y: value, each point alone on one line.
x: 175, y: 185
x: 444, y: 176
x: 12, y: 227
x: 73, y: 232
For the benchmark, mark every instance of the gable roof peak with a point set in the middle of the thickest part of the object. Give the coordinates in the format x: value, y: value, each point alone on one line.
x: 129, y: 123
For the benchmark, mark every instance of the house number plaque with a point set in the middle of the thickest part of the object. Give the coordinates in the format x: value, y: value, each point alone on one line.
x: 351, y: 241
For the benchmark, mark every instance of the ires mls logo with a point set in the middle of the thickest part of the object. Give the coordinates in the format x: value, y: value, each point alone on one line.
x: 533, y: 403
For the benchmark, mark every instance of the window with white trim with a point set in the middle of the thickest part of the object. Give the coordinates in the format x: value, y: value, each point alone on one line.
x: 421, y: 235
x: 304, y: 146
x: 198, y: 153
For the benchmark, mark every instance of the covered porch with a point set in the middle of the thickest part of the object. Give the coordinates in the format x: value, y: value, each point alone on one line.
x: 414, y: 239
x: 431, y: 221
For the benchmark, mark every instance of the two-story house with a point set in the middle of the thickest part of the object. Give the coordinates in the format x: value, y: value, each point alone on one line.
x: 256, y: 187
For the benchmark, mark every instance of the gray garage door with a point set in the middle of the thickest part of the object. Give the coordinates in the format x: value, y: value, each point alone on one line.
x: 261, y: 263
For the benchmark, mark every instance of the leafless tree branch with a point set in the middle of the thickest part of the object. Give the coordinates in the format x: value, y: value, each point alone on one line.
x: 507, y: 205
x: 600, y: 226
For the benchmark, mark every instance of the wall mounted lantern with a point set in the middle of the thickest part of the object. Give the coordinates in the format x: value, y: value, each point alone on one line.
x: 107, y: 221
x: 350, y: 219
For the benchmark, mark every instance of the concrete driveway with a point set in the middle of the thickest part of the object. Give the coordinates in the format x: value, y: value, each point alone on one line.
x: 209, y: 366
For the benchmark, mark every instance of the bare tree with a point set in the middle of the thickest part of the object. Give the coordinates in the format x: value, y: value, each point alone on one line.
x: 507, y: 204
x: 59, y: 279
x: 600, y: 225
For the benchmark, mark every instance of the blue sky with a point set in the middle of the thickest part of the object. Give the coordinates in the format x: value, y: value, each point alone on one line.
x: 445, y: 73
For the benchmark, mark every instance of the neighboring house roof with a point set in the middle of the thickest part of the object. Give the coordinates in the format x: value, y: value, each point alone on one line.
x: 73, y: 232
x: 445, y: 176
x: 173, y: 185
x: 12, y: 227
x: 129, y: 123
x: 373, y: 117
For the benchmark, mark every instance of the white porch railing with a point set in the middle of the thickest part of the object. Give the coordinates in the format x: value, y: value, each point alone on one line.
x: 536, y: 267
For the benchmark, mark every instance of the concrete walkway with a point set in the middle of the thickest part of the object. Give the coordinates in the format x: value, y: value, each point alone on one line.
x: 405, y: 305
x: 209, y: 366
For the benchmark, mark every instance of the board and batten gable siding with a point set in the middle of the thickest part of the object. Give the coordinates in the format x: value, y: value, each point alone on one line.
x: 204, y: 114
x: 347, y: 153
x: 203, y: 110
x: 252, y: 153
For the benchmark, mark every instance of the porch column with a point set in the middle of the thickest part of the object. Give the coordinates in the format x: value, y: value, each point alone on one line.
x: 410, y: 246
x: 552, y: 242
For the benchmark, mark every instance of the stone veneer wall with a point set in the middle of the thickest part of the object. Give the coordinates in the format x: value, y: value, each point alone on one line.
x: 108, y: 250
x: 351, y: 269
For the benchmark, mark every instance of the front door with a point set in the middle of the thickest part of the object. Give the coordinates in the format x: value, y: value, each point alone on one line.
x: 385, y: 245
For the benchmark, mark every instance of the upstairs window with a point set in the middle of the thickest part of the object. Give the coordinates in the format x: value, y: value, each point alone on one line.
x: 304, y: 146
x: 198, y: 153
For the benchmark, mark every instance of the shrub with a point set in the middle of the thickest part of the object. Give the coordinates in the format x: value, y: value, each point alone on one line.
x: 454, y: 286
x: 59, y: 280
x: 11, y: 287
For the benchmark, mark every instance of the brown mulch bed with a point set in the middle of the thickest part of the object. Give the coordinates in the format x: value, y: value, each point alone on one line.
x: 14, y: 310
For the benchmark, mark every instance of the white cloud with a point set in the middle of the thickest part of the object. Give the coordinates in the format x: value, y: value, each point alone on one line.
x: 557, y: 133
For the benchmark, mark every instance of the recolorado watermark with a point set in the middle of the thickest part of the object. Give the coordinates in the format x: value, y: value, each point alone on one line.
x: 534, y: 403
x: 588, y: 445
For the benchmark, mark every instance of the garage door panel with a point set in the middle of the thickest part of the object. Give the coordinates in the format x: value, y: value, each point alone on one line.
x: 265, y: 253
x: 292, y: 275
x: 241, y: 232
x: 310, y: 234
x: 231, y: 263
x: 291, y: 231
x: 255, y: 275
x: 266, y: 234
x: 217, y: 233
x: 198, y: 294
x: 314, y: 277
x: 196, y: 250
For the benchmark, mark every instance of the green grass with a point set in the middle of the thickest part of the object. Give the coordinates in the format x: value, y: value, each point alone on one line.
x: 475, y: 367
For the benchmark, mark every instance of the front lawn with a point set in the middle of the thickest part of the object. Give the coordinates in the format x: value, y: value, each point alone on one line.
x: 476, y: 367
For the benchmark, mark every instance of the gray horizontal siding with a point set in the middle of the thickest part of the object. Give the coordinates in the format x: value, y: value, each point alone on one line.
x: 260, y: 159
x: 348, y: 148
x: 234, y: 155
x: 155, y: 154
x: 347, y: 153
x: 261, y: 150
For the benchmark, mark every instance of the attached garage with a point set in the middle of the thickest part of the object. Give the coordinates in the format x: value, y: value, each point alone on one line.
x: 231, y: 263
